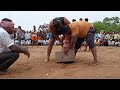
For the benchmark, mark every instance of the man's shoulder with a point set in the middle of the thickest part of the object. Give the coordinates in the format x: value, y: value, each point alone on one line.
x: 2, y: 31
x: 3, y: 35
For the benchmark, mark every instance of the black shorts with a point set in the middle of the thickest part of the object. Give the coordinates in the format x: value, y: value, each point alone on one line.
x: 89, y: 38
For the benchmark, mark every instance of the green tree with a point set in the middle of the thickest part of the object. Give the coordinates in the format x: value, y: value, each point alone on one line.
x: 108, y: 24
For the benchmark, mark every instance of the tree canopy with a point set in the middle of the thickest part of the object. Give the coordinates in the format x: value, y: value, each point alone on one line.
x: 108, y: 24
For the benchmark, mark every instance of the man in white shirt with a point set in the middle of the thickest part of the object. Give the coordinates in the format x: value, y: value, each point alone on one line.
x: 9, y: 52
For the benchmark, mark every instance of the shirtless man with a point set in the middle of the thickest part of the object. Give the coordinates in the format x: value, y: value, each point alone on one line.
x: 56, y: 29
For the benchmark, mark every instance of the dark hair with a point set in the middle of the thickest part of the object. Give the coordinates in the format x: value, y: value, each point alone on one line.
x: 73, y: 20
x: 19, y: 27
x: 86, y: 19
x: 56, y: 24
x: 6, y: 19
x: 80, y: 19
x: 63, y: 29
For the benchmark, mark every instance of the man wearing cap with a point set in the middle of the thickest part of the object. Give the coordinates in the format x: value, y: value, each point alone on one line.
x: 9, y: 52
x: 56, y: 29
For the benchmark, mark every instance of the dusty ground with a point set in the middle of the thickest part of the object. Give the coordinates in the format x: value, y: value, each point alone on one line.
x: 35, y: 68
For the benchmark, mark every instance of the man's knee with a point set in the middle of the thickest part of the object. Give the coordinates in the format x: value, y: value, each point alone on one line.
x: 79, y: 43
x: 91, y: 43
x: 90, y: 40
x: 51, y: 43
x: 92, y: 46
x: 7, y: 63
x: 15, y: 55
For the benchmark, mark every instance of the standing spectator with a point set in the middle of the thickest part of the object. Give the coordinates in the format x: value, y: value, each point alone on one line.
x: 73, y: 20
x: 80, y: 19
x: 19, y: 35
x: 34, y: 36
x: 86, y: 44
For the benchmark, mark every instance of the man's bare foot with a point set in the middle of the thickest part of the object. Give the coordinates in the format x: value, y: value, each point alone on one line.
x: 46, y: 61
x: 94, y: 62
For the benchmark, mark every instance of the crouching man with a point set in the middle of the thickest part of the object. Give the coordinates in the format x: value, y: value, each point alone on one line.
x: 9, y: 52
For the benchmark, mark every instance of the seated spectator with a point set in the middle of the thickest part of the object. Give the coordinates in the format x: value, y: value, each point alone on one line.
x: 105, y: 42
x: 97, y: 42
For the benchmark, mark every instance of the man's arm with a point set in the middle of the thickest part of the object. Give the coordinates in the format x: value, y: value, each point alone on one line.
x: 66, y: 43
x: 52, y: 30
x: 73, y: 41
x: 16, y: 48
x: 57, y: 38
x: 8, y: 42
x: 71, y: 45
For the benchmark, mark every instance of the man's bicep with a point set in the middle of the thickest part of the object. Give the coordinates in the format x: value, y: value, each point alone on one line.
x: 73, y: 41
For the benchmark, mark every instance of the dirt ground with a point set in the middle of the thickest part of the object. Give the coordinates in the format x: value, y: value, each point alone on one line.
x: 35, y: 68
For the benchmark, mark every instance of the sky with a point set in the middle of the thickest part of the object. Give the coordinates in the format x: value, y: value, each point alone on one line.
x: 28, y: 19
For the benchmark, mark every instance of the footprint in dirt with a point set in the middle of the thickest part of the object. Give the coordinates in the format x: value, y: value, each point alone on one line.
x: 91, y: 64
x: 29, y: 68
